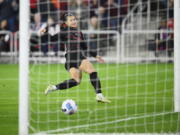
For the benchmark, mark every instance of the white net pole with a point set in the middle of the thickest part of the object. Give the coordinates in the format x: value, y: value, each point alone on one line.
x: 177, y: 56
x: 23, y: 67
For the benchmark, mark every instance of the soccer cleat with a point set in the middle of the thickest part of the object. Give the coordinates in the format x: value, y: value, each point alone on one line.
x: 49, y: 89
x: 101, y: 98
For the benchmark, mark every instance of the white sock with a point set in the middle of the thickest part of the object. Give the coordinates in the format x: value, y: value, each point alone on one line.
x: 54, y: 87
x: 99, y: 94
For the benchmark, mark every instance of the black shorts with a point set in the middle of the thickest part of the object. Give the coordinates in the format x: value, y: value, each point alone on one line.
x: 73, y: 60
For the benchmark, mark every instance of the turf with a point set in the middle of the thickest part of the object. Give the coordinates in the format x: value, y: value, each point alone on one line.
x: 141, y: 95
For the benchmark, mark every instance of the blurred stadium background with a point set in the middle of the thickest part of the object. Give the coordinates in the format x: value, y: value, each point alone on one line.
x: 126, y: 17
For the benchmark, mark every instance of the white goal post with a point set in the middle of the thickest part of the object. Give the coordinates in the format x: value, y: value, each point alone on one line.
x: 176, y: 56
x: 24, y: 68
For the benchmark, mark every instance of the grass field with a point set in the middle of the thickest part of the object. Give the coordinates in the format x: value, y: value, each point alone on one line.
x: 141, y: 95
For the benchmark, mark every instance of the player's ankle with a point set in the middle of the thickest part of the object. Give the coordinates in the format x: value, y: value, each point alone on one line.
x: 99, y: 94
x: 54, y: 87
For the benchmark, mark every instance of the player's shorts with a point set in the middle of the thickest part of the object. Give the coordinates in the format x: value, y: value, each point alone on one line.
x: 73, y: 60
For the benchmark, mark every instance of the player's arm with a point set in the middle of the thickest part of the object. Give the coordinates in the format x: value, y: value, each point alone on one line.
x: 100, y: 59
x: 42, y: 30
x: 51, y: 30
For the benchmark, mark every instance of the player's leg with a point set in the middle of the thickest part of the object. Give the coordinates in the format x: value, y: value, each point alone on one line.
x: 87, y: 67
x: 76, y: 76
x: 75, y: 79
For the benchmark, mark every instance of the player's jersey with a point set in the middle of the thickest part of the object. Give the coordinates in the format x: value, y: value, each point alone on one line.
x: 75, y: 44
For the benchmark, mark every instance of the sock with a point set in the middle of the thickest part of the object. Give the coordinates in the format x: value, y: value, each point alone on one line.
x: 54, y: 87
x: 95, y: 82
x: 100, y: 94
x: 67, y: 84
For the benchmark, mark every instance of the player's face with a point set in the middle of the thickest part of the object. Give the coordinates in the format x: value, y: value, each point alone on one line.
x: 71, y: 21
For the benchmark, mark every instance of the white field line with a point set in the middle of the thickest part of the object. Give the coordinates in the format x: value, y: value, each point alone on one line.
x: 99, y: 124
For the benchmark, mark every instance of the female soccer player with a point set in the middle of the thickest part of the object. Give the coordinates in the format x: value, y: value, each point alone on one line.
x: 76, y: 62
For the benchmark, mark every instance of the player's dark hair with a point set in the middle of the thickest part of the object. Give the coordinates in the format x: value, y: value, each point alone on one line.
x: 65, y: 15
x: 64, y: 19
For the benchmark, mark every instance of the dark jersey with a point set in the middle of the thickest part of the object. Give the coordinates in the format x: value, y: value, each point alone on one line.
x: 75, y: 46
x: 74, y: 41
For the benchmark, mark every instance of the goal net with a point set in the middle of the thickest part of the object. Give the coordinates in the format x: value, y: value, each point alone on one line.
x: 136, y: 40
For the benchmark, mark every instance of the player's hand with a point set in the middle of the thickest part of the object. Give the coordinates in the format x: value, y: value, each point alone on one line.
x: 100, y: 59
x: 42, y: 30
x: 54, y: 30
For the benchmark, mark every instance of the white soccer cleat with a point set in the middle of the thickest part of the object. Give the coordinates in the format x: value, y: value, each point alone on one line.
x: 101, y: 98
x: 49, y: 89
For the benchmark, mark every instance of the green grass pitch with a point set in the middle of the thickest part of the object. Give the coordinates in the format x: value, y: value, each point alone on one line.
x: 141, y: 95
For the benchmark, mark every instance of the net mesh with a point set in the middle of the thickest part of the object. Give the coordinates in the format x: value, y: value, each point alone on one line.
x: 136, y: 40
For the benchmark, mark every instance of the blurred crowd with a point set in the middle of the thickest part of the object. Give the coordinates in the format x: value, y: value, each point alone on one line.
x: 9, y: 10
x: 164, y: 41
x: 93, y: 14
x: 106, y: 14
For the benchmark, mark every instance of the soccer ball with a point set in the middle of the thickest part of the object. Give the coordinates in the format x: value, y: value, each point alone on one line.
x: 69, y: 107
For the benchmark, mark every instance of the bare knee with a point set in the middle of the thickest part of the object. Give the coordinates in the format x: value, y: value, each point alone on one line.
x: 89, y: 71
x: 76, y: 75
x: 87, y: 67
x: 78, y: 80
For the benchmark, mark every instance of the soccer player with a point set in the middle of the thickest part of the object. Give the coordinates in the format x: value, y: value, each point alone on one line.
x: 76, y: 62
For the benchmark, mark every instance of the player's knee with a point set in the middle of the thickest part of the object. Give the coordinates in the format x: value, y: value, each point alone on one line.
x: 90, y: 71
x: 76, y: 75
x: 77, y: 80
